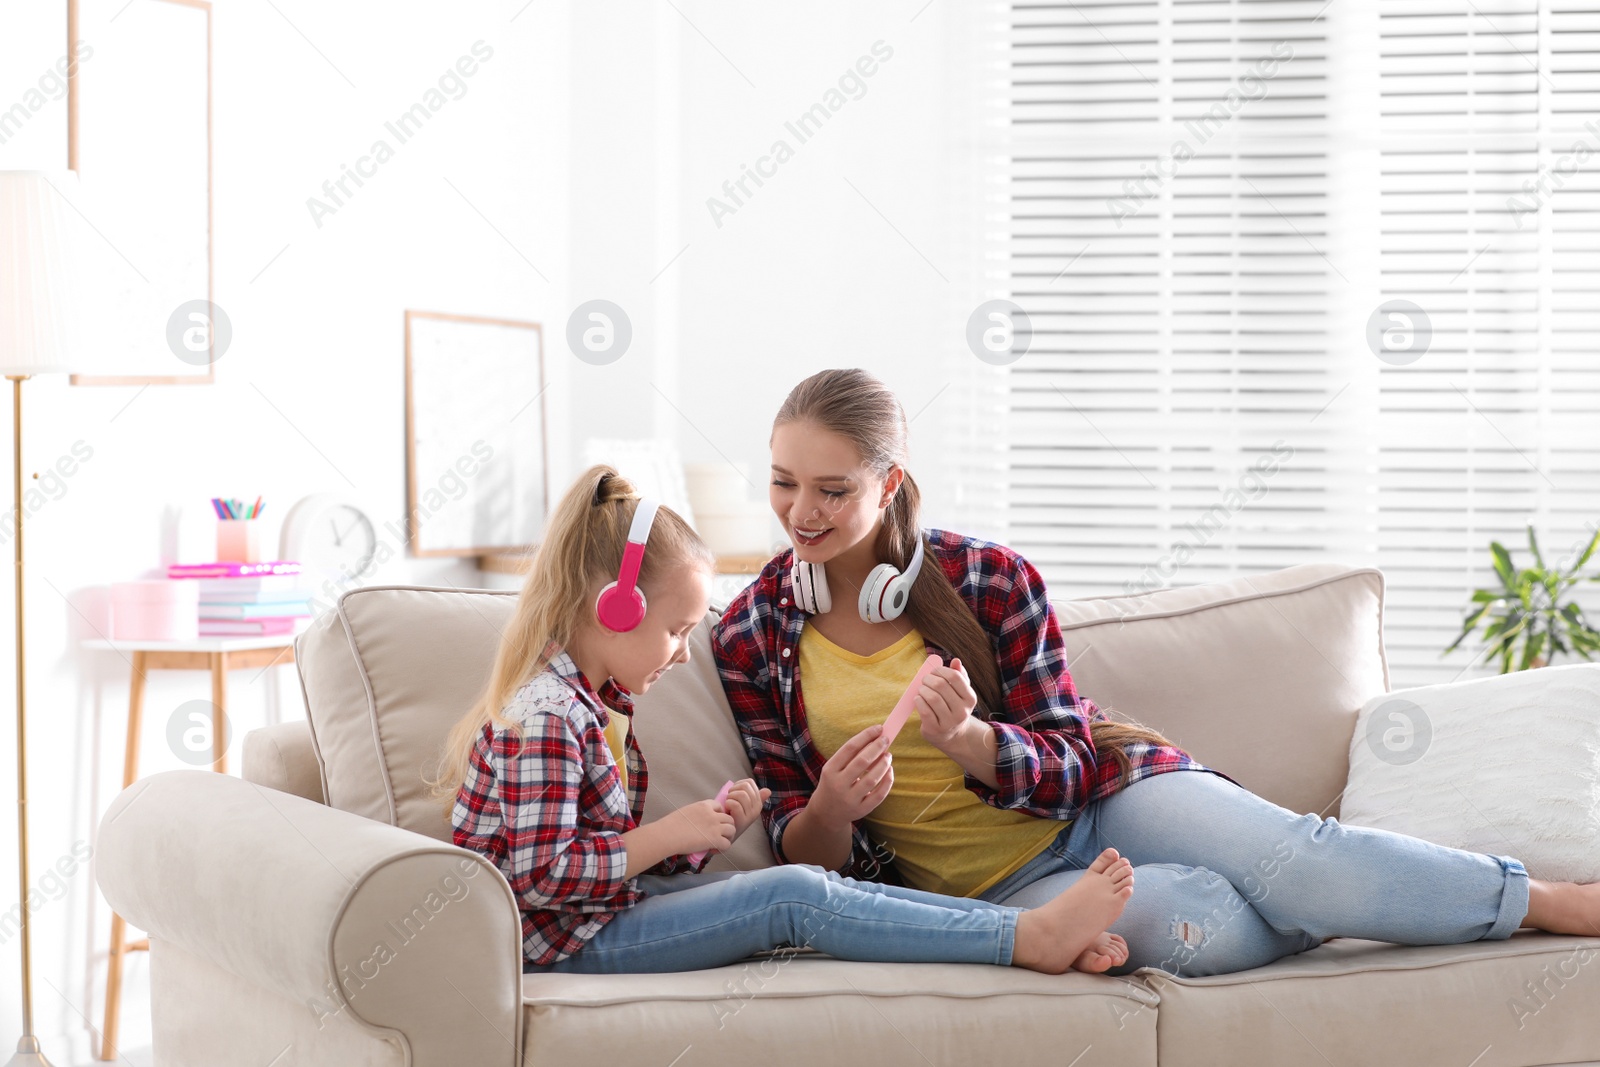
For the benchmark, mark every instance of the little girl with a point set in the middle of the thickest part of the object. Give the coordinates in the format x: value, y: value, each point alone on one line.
x: 545, y: 778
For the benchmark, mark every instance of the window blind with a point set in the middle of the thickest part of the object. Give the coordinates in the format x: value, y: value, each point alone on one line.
x: 1202, y: 213
x: 1480, y: 226
x: 1169, y: 193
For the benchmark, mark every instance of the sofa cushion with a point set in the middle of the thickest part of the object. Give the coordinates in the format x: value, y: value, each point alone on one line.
x: 1260, y: 677
x: 1531, y: 997
x: 811, y: 1009
x: 1504, y: 765
x: 386, y: 673
x: 390, y: 669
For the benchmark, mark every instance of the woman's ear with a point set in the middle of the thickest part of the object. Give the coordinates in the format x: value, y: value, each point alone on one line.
x: 891, y: 484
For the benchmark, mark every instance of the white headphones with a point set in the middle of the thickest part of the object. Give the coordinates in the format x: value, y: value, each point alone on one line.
x: 883, y: 597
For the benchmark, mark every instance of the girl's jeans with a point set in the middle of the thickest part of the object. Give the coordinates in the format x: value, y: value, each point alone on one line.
x: 1225, y: 881
x: 691, y: 921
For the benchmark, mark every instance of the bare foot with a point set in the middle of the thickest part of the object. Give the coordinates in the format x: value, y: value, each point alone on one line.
x: 1104, y: 952
x: 1564, y: 907
x: 1051, y: 937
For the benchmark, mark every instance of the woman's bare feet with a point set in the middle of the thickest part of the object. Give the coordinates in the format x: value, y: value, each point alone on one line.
x: 1052, y: 937
x: 1564, y: 907
x: 1104, y: 952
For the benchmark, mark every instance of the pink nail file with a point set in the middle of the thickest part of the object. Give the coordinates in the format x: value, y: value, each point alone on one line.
x: 722, y: 796
x: 902, y: 711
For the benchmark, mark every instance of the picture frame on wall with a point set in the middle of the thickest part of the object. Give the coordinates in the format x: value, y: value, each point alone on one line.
x: 477, y: 466
x: 139, y: 136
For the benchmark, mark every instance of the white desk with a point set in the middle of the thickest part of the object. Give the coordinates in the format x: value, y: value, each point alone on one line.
x: 218, y: 655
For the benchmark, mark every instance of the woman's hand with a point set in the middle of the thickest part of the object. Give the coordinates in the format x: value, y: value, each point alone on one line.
x: 854, y: 781
x: 744, y: 804
x: 701, y: 825
x: 945, y: 703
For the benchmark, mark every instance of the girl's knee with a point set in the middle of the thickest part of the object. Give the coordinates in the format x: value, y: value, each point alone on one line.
x: 796, y: 881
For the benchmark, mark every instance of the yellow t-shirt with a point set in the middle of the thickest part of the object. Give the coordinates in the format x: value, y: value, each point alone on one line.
x: 945, y: 839
x: 616, y: 741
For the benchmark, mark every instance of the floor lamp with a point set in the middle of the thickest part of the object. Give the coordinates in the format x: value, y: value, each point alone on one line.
x: 38, y: 316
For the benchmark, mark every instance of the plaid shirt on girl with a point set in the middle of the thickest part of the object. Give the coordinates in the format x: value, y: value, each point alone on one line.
x: 1046, y: 764
x: 551, y: 811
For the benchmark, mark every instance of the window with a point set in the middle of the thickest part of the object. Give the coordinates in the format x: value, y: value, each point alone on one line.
x: 1212, y: 206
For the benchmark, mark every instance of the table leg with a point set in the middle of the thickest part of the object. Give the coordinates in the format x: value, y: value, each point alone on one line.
x: 130, y: 754
x: 219, y: 716
x: 130, y: 771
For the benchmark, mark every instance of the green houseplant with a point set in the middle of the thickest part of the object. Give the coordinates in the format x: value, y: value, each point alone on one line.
x: 1528, y: 618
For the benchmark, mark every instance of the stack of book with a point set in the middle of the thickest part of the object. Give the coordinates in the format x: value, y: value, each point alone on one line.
x: 248, y: 599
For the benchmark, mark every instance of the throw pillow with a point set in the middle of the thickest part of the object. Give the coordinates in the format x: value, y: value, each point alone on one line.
x: 1507, y: 765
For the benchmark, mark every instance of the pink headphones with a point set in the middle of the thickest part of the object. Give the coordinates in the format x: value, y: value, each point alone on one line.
x: 620, y: 605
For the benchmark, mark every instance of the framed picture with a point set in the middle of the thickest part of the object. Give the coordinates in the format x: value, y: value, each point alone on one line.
x: 139, y: 136
x: 476, y: 469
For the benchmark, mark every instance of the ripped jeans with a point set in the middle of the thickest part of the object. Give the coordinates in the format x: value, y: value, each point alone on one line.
x: 1226, y: 881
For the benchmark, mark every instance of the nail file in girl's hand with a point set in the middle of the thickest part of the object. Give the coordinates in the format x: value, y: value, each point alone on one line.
x: 722, y: 796
x: 902, y: 711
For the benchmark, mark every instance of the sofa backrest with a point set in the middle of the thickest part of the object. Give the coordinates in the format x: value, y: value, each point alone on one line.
x: 1261, y: 677
x: 390, y: 669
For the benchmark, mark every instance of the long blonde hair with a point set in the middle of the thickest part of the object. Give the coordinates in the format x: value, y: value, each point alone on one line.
x: 581, y: 552
x: 857, y: 406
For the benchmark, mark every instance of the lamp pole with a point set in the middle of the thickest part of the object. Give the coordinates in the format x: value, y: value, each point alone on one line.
x: 28, y: 1051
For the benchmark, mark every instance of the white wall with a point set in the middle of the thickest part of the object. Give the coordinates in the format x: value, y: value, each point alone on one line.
x: 591, y: 140
x: 308, y: 399
x: 806, y: 274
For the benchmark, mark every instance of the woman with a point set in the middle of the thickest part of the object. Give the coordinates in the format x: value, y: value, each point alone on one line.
x: 1011, y: 784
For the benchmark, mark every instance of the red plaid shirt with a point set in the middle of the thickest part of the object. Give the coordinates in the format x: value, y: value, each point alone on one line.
x: 1046, y: 765
x: 551, y: 811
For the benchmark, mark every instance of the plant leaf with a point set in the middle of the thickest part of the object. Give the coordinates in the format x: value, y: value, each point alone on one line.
x: 1533, y: 546
x: 1467, y: 627
x: 1588, y: 552
x: 1558, y: 636
x: 1531, y: 650
x: 1502, y: 564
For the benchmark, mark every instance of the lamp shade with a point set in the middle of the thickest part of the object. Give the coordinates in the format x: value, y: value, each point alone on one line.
x: 40, y: 274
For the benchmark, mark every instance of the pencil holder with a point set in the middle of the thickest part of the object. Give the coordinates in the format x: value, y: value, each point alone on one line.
x: 238, y: 541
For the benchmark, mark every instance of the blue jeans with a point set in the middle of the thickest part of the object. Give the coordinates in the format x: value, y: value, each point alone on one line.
x: 1226, y: 881
x: 690, y: 921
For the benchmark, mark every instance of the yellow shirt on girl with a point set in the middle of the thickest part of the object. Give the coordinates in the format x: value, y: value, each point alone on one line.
x: 945, y: 839
x: 617, y: 741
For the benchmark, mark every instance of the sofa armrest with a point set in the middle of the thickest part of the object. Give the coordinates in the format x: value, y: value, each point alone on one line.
x: 283, y: 757
x: 416, y: 940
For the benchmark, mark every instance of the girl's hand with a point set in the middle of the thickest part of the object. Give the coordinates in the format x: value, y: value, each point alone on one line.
x: 854, y: 781
x: 744, y: 804
x: 945, y: 703
x: 701, y: 825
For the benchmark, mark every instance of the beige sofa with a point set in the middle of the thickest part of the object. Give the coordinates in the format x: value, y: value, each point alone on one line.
x: 315, y: 912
